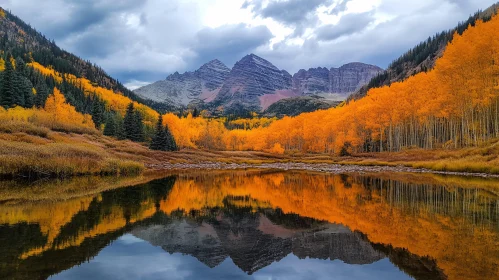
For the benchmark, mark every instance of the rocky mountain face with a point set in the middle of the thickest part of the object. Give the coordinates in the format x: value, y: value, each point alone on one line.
x: 335, y: 83
x: 254, y: 242
x: 251, y: 78
x: 182, y: 89
x: 253, y: 84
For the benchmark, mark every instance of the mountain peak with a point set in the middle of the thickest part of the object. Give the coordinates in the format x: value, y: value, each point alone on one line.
x: 253, y: 60
x: 214, y: 65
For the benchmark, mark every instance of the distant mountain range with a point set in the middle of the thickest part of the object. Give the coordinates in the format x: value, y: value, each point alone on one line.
x: 254, y: 84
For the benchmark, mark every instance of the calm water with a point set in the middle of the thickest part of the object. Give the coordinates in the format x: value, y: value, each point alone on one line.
x: 252, y: 225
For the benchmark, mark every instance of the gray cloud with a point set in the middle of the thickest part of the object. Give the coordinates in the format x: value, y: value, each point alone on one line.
x: 349, y: 24
x: 298, y: 14
x: 137, y: 41
x: 229, y: 42
x: 340, y: 7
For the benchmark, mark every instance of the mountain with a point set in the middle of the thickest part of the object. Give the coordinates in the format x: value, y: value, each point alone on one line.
x: 335, y: 83
x: 251, y: 81
x: 422, y: 57
x: 182, y: 89
x: 296, y: 105
x: 253, y: 84
x: 21, y: 40
x: 253, y: 242
x: 38, y: 69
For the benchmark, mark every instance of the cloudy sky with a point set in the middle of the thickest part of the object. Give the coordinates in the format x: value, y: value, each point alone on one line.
x: 141, y: 41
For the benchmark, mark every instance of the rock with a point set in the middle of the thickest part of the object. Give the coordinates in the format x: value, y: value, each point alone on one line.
x: 251, y: 78
x: 336, y: 83
x: 181, y: 89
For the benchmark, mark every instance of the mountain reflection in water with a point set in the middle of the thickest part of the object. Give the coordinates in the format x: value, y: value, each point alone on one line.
x: 258, y: 223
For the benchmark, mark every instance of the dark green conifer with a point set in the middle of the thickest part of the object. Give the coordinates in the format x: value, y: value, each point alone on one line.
x: 28, y: 93
x: 129, y: 122
x: 171, y: 143
x: 97, y: 113
x: 159, y: 141
x: 110, y: 129
x: 42, y: 94
x: 8, y: 84
x: 138, y: 127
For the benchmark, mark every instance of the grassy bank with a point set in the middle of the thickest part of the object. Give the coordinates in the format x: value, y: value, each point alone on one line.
x: 32, y: 152
x: 483, y: 159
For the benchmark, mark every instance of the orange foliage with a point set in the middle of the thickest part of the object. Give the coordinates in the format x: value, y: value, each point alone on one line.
x: 62, y: 112
x: 57, y: 115
x: 47, y: 71
x: 114, y: 101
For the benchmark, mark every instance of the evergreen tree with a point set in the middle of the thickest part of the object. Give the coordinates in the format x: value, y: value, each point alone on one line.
x: 138, y: 128
x: 42, y: 93
x: 133, y: 126
x: 8, y: 84
x: 111, y: 127
x: 171, y: 143
x: 28, y: 93
x: 97, y: 113
x: 120, y: 127
x: 129, y: 122
x: 159, y: 141
x: 18, y: 93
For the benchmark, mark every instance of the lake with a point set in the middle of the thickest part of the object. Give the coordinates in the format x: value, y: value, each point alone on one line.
x: 251, y: 224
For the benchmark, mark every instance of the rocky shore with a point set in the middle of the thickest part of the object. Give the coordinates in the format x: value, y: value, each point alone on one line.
x: 329, y: 168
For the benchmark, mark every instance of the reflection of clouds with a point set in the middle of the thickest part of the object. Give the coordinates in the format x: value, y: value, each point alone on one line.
x: 133, y: 258
x: 130, y: 239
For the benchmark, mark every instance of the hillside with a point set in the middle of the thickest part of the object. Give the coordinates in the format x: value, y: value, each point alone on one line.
x: 297, y: 105
x: 422, y: 57
x: 254, y: 84
x: 39, y: 64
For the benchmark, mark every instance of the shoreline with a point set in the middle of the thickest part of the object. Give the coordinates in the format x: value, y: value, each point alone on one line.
x: 316, y: 167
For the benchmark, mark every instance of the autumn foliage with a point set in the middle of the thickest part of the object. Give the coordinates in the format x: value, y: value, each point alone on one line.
x: 114, y: 100
x: 57, y: 115
x: 454, y: 105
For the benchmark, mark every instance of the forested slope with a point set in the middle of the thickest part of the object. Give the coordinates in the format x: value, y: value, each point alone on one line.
x: 422, y: 57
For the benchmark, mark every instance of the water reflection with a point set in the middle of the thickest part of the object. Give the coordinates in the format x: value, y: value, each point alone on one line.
x: 262, y: 223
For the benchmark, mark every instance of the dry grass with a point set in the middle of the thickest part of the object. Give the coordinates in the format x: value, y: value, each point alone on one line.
x: 59, y: 155
x: 27, y: 150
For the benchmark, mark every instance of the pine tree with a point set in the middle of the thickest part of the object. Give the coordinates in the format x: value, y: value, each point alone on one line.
x: 171, y: 143
x: 111, y: 128
x: 129, y: 122
x: 138, y: 128
x: 42, y: 93
x: 18, y: 95
x: 159, y: 141
x: 8, y: 84
x: 28, y: 93
x: 97, y: 113
x: 120, y: 127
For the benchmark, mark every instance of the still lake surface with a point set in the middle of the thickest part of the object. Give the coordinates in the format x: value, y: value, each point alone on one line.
x: 252, y: 225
